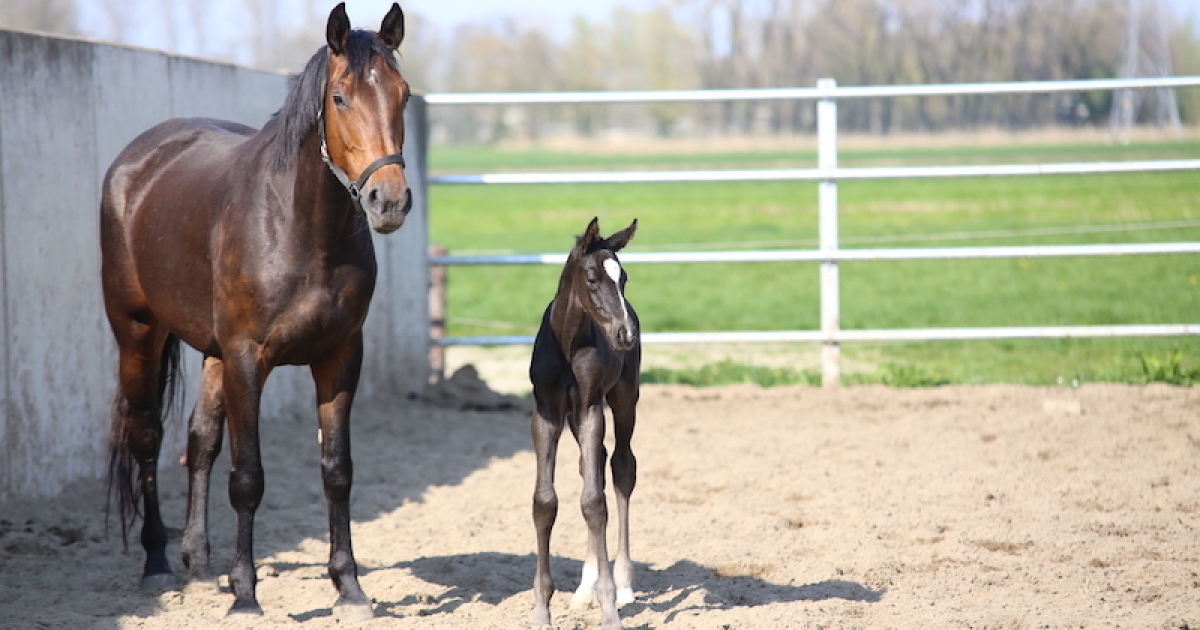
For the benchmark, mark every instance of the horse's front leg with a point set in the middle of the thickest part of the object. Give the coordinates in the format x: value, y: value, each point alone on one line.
x: 623, y: 402
x: 593, y: 457
x: 546, y: 428
x: 205, y: 432
x: 242, y: 381
x: 336, y: 380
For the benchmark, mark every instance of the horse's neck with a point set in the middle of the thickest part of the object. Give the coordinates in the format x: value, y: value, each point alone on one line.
x: 571, y: 325
x: 319, y: 202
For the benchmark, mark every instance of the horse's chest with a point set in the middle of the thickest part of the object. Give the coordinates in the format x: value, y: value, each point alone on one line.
x: 304, y: 316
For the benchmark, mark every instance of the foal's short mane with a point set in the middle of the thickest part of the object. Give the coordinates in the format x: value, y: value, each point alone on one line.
x: 306, y: 93
x: 595, y: 246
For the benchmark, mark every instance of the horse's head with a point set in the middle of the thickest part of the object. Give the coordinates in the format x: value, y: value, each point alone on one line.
x: 598, y: 283
x: 363, y: 115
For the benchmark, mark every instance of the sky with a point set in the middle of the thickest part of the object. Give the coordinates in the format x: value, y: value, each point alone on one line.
x: 447, y: 13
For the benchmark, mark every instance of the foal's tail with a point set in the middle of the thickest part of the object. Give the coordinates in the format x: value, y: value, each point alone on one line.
x: 122, y: 463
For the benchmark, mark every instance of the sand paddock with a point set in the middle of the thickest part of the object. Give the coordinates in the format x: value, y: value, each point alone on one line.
x: 863, y: 507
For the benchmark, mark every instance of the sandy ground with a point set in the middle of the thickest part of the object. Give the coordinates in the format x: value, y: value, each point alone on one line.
x: 956, y: 507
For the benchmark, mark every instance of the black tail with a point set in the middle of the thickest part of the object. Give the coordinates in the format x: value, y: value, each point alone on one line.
x: 122, y: 465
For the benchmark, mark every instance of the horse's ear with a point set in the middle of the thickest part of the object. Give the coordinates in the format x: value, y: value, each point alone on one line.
x: 391, y: 32
x: 622, y: 238
x: 337, y: 30
x: 590, y: 235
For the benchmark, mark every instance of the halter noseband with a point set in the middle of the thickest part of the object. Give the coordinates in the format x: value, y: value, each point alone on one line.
x: 354, y: 187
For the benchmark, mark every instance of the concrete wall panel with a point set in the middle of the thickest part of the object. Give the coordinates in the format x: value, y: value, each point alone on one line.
x: 50, y: 253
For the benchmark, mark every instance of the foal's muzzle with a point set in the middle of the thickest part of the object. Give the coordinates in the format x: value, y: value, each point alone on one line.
x: 625, y: 338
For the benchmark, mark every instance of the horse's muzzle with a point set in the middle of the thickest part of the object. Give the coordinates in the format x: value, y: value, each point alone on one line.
x: 625, y: 339
x: 386, y: 212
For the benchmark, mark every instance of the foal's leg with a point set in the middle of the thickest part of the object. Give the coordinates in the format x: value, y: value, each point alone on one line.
x: 137, y: 410
x: 336, y: 379
x: 623, y: 402
x: 242, y: 380
x: 546, y: 428
x: 206, y: 429
x: 593, y: 456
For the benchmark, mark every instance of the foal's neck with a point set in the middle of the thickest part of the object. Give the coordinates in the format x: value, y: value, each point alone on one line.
x: 571, y: 324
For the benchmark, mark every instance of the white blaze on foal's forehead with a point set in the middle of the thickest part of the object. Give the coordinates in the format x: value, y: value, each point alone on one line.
x: 613, y: 269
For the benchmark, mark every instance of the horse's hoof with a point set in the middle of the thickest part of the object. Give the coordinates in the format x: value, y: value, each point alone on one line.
x: 539, y: 619
x: 625, y: 596
x: 201, y: 587
x: 159, y: 583
x: 581, y: 603
x: 353, y: 613
x: 245, y: 609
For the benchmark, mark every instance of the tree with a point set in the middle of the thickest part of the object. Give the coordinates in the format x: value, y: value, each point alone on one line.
x: 49, y: 16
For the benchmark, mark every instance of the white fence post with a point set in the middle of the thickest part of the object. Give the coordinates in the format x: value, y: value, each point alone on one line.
x: 831, y: 352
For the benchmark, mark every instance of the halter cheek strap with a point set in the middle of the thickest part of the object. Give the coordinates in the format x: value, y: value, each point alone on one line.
x: 354, y: 187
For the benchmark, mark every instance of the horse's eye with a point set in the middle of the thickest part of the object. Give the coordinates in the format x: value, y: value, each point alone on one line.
x: 339, y: 100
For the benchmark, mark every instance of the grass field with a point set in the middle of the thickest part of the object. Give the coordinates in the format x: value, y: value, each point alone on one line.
x: 1152, y: 207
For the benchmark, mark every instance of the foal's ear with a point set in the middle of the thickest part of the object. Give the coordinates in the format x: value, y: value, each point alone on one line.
x: 590, y: 235
x: 622, y: 238
x: 391, y: 32
x: 337, y: 30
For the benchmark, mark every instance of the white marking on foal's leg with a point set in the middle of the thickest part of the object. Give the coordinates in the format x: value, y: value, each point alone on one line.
x: 586, y: 593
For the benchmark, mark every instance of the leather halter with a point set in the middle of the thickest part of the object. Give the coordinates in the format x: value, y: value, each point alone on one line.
x: 354, y: 187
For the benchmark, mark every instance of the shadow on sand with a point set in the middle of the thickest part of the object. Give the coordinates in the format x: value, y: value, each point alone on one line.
x: 494, y: 577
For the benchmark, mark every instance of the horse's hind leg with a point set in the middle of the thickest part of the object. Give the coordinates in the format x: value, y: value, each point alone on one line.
x: 623, y: 402
x: 205, y: 432
x: 137, y: 436
x: 336, y: 380
x: 546, y: 428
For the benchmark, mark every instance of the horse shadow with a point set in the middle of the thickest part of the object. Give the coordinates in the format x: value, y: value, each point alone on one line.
x: 493, y: 577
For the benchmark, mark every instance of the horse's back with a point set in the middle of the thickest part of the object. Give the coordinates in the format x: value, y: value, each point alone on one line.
x: 178, y: 144
x: 158, y: 202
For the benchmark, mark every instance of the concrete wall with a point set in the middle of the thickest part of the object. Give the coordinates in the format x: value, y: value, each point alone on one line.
x: 67, y: 107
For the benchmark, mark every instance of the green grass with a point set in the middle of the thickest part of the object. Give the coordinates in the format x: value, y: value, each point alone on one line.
x: 901, y: 213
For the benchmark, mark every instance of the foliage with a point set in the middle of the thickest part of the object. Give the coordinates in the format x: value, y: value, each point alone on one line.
x: 728, y: 372
x: 1168, y: 369
x: 896, y: 375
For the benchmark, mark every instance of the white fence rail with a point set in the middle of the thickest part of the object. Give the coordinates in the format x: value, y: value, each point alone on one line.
x: 829, y: 254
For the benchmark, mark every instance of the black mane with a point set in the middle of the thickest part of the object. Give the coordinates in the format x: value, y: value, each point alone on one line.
x: 306, y: 93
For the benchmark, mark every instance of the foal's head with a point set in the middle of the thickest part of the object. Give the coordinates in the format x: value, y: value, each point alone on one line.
x: 363, y: 111
x: 596, y: 283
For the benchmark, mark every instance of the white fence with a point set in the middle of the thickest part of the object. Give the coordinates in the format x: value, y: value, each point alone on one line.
x: 827, y: 173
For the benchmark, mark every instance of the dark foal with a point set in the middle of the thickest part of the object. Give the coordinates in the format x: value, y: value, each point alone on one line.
x: 587, y: 352
x: 253, y: 247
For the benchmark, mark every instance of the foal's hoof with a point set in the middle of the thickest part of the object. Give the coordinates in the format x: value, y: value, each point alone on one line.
x: 245, y: 609
x: 583, y: 598
x: 625, y: 596
x: 353, y: 613
x: 159, y: 583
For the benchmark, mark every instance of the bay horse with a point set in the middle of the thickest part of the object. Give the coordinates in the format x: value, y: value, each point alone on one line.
x: 253, y: 248
x: 587, y: 352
